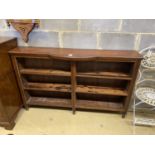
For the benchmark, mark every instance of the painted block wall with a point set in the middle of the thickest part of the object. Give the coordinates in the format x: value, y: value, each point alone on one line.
x: 89, y: 33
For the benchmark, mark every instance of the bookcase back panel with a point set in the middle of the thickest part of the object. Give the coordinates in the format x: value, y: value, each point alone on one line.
x: 47, y: 79
x: 124, y: 67
x: 98, y: 97
x: 122, y: 84
x: 46, y: 63
x: 49, y: 94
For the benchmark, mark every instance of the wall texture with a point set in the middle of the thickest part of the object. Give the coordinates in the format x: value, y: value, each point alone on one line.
x: 89, y: 33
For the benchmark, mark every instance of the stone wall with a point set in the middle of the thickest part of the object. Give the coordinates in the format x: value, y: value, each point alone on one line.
x: 89, y: 33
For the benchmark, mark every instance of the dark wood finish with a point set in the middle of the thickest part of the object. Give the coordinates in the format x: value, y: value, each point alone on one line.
x: 109, y: 75
x: 101, y: 90
x: 95, y: 79
x: 73, y: 86
x: 55, y: 102
x: 65, y: 103
x: 77, y: 54
x: 10, y: 100
x: 45, y: 72
x: 47, y: 87
x: 112, y: 75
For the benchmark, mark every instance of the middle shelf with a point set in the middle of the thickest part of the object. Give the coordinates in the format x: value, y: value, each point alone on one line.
x: 79, y: 88
x: 99, y: 74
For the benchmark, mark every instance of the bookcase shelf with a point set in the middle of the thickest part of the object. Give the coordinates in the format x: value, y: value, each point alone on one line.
x: 51, y: 72
x: 79, y: 88
x: 112, y: 75
x: 81, y: 104
x: 100, y: 90
x: 75, y: 78
x: 47, y: 87
x: 109, y: 75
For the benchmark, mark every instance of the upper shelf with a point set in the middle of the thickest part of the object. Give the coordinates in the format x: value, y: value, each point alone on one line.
x: 29, y: 71
x: 77, y: 54
x: 105, y: 74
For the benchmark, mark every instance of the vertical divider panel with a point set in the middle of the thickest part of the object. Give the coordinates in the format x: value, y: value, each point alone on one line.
x: 73, y: 86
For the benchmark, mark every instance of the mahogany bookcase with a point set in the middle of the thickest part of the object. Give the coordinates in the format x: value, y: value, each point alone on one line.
x: 76, y: 78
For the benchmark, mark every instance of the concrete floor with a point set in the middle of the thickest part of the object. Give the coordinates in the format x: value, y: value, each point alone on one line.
x: 52, y: 121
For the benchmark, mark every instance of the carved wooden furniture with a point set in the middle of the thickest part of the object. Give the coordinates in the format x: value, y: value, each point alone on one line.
x: 24, y: 27
x: 76, y: 78
x: 10, y: 99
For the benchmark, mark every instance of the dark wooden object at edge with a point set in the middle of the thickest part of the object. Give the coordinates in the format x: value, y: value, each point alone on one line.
x: 10, y: 100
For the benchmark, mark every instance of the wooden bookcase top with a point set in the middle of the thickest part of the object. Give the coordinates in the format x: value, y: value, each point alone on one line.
x: 77, y: 54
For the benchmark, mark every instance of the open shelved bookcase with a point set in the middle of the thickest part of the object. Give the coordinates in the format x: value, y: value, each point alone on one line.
x: 76, y: 78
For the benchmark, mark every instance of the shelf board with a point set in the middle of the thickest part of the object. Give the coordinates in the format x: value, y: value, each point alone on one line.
x: 30, y: 71
x: 101, y: 90
x: 44, y: 101
x: 47, y: 87
x: 79, y: 88
x: 99, y: 105
x: 110, y: 75
x: 81, y: 104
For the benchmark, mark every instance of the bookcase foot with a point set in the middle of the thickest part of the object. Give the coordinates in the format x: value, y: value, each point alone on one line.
x: 123, y: 115
x: 10, y: 126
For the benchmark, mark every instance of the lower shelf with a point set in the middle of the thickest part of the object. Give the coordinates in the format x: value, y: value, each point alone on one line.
x: 99, y: 105
x: 81, y: 104
x: 55, y: 102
